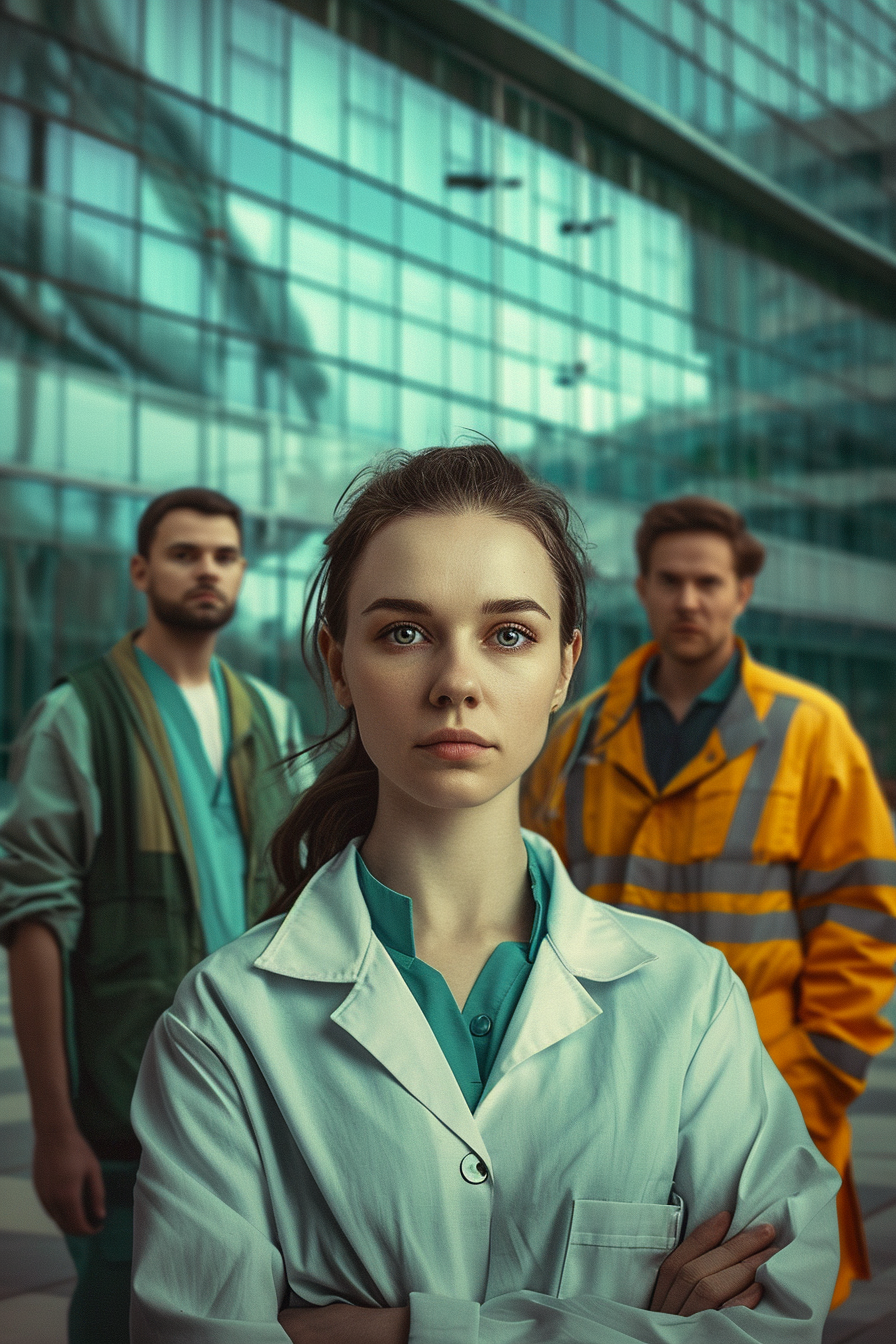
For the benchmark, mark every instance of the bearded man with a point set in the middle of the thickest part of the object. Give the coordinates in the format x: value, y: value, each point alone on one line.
x: 148, y: 785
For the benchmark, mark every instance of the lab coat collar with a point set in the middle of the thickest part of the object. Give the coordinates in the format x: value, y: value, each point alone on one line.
x: 327, y: 937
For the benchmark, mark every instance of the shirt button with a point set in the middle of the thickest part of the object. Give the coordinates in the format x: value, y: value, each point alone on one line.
x: 481, y: 1025
x: 473, y: 1169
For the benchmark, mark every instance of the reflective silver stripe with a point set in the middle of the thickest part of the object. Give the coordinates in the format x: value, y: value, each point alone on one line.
x: 739, y: 728
x: 721, y: 926
x: 576, y: 849
x: 860, y: 873
x: 761, y: 776
x: 844, y: 1056
x: 596, y: 870
x: 735, y: 876
x: 875, y: 922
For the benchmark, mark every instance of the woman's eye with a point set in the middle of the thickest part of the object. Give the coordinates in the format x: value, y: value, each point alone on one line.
x: 509, y: 637
x: 404, y: 634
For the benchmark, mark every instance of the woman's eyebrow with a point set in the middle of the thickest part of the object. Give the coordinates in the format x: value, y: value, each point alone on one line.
x: 406, y: 604
x: 496, y: 606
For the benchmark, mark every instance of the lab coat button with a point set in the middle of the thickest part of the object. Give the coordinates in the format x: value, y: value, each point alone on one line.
x: 481, y: 1025
x: 473, y: 1169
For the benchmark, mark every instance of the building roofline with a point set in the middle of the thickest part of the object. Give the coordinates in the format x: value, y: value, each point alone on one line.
x: 546, y: 67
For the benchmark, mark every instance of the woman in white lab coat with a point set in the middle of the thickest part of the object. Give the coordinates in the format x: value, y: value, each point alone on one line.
x: 443, y: 1096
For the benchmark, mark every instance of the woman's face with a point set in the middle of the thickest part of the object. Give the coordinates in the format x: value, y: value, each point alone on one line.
x: 452, y: 656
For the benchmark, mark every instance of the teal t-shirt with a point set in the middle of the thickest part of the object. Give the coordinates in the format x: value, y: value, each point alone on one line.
x: 470, y: 1038
x: 211, y: 814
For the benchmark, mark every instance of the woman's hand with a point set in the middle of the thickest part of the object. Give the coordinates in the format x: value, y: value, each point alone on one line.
x: 343, y: 1324
x: 706, y: 1272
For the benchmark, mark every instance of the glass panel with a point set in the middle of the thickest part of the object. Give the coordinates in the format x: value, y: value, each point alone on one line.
x: 14, y: 140
x: 371, y: 337
x: 244, y: 464
x: 260, y: 228
x: 315, y: 252
x: 371, y: 211
x: 315, y: 187
x: 174, y: 46
x: 315, y: 108
x: 321, y: 312
x: 422, y: 353
x: 256, y: 163
x: 168, y: 447
x: 97, y: 431
x: 371, y: 273
x: 370, y: 406
x: 103, y: 175
x: 422, y: 292
x: 170, y: 275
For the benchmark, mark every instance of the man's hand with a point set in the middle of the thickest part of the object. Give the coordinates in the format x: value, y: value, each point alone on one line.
x: 342, y: 1324
x: 706, y: 1272
x: 68, y: 1181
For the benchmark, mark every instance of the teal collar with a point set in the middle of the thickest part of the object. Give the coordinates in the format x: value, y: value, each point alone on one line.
x: 392, y: 915
x: 715, y: 694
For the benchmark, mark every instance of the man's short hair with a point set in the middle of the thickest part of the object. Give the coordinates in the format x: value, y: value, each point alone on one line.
x: 194, y: 497
x: 697, y: 513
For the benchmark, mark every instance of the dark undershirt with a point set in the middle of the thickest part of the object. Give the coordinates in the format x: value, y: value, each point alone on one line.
x: 669, y: 746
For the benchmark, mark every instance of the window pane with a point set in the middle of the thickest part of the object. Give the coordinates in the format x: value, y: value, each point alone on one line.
x: 169, y: 447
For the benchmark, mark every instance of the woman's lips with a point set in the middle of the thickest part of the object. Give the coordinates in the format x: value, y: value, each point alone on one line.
x: 454, y: 751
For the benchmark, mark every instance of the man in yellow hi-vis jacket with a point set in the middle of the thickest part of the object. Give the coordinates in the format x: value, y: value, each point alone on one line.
x: 739, y: 803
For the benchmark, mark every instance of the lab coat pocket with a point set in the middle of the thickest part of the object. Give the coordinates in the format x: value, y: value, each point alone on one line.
x: 615, y: 1250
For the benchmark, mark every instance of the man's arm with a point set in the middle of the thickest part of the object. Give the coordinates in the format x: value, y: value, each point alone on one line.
x: 67, y: 1175
x: 46, y: 842
x: 846, y: 902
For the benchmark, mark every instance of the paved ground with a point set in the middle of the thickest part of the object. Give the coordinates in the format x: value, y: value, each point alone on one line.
x: 36, y: 1272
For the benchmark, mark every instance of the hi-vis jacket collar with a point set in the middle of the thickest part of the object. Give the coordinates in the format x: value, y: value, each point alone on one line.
x: 327, y: 936
x: 616, y: 735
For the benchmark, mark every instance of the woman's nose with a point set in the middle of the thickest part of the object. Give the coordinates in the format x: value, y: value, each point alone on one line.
x: 455, y: 684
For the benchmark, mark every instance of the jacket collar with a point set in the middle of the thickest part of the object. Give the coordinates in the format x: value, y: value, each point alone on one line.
x: 618, y: 736
x: 327, y: 938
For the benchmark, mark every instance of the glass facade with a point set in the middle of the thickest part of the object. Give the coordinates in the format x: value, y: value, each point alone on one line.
x: 804, y: 91
x: 253, y: 244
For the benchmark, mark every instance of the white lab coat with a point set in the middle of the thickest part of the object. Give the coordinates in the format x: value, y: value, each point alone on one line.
x: 305, y: 1141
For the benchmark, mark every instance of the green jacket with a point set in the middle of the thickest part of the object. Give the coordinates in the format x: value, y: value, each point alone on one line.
x: 136, y: 929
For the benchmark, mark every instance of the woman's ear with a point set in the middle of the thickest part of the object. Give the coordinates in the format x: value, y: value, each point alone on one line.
x: 568, y: 659
x: 332, y: 655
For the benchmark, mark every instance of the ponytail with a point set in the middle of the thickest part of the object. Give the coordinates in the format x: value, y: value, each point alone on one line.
x: 337, y: 807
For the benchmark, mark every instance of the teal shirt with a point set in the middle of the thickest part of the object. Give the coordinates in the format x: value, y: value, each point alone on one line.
x: 218, y: 843
x: 470, y: 1038
x: 668, y: 745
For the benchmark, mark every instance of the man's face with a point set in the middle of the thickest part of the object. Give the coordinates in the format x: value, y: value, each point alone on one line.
x: 193, y: 572
x: 692, y: 594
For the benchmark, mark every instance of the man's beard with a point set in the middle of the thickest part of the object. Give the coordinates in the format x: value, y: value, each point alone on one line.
x: 182, y: 616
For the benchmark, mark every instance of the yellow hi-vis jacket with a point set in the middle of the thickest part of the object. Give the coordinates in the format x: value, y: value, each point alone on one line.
x: 773, y: 844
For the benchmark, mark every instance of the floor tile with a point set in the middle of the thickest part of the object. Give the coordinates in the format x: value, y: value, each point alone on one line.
x: 34, y: 1318
x: 14, y: 1106
x: 28, y: 1263
x: 16, y: 1147
x: 880, y: 1229
x: 9, y: 1053
x: 20, y: 1209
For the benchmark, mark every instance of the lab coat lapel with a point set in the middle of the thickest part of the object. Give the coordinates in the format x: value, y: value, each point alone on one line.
x: 585, y: 941
x: 327, y: 937
x: 382, y: 1014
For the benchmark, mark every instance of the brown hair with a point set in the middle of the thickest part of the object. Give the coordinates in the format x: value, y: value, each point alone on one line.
x: 697, y: 513
x: 195, y: 497
x: 341, y: 804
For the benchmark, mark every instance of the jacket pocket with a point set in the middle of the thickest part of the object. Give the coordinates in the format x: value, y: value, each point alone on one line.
x: 615, y: 1250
